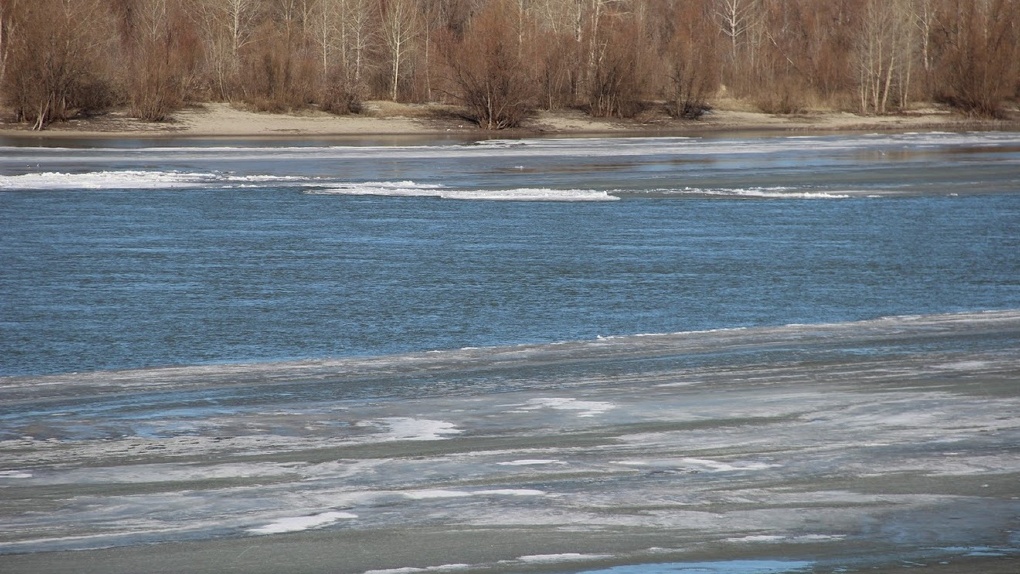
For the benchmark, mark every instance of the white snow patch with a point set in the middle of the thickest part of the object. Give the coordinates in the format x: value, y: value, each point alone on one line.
x: 406, y: 428
x: 431, y: 494
x: 964, y: 365
x: 299, y: 523
x: 718, y: 466
x: 530, y: 462
x: 584, y: 408
x: 758, y: 538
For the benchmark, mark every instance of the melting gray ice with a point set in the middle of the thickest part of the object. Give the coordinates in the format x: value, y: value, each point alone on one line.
x: 767, y: 449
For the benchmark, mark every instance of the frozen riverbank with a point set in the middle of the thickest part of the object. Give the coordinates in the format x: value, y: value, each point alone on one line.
x: 833, y: 446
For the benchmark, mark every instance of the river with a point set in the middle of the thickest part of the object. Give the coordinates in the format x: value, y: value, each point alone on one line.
x: 130, y: 256
x: 718, y: 354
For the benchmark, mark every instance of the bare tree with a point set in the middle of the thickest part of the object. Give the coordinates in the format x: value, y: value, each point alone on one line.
x: 400, y: 28
x: 8, y: 27
x: 590, y: 29
x: 356, y: 34
x: 907, y: 45
x: 343, y: 34
x: 227, y: 28
x: 878, y: 54
x: 347, y: 34
x: 59, y: 58
x: 736, y: 18
x: 294, y: 15
x: 432, y: 21
x: 240, y: 16
x: 923, y: 17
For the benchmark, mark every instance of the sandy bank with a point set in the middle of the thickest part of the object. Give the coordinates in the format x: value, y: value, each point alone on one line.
x: 389, y: 119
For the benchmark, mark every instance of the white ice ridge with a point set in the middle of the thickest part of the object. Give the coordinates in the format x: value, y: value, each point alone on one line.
x: 565, y: 557
x: 104, y: 180
x: 134, y: 179
x: 299, y: 523
x: 759, y: 192
x: 584, y: 408
x: 530, y: 462
x: 406, y: 428
x: 771, y: 538
x: 412, y: 189
x: 14, y: 474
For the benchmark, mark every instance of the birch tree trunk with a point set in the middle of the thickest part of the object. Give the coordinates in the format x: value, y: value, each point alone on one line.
x: 400, y: 27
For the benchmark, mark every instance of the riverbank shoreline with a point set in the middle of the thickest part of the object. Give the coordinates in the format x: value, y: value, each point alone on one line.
x: 222, y: 120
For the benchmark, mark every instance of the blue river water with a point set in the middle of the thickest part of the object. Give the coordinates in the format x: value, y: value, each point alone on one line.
x: 134, y: 254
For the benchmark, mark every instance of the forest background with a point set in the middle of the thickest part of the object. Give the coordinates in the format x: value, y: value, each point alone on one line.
x: 500, y: 60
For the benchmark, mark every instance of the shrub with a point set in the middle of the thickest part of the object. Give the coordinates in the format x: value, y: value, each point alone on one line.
x: 488, y: 71
x: 163, y: 57
x: 692, y: 62
x: 617, y: 79
x: 781, y: 98
x: 338, y: 99
x: 56, y: 62
x: 979, y: 64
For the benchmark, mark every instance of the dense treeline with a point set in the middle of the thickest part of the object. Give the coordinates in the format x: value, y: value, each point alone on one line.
x: 500, y: 59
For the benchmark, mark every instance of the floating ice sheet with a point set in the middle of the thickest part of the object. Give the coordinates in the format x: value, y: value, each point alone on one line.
x: 412, y: 189
x: 138, y: 179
